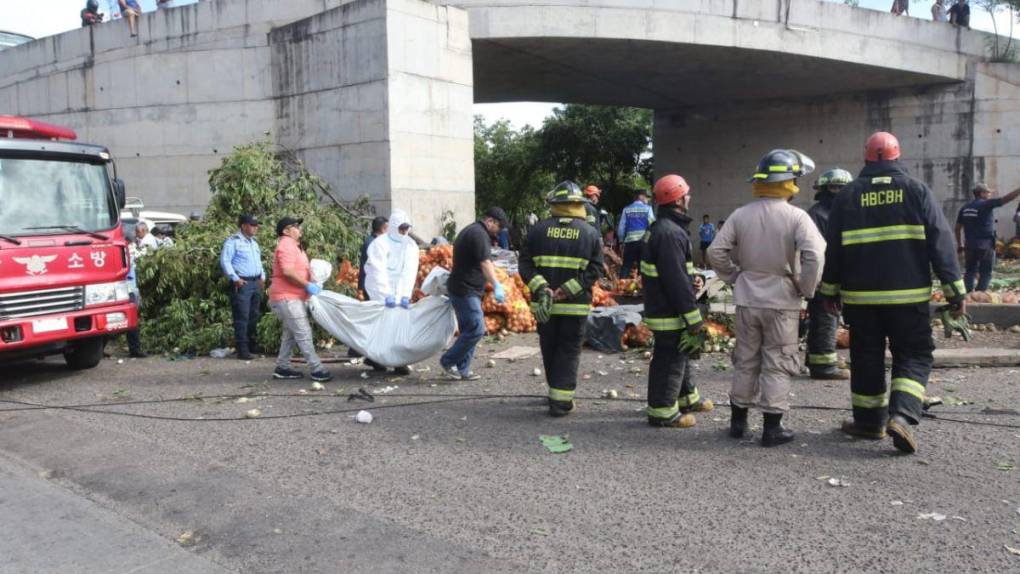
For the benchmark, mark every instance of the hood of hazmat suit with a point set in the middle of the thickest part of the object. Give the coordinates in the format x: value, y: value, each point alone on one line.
x: 392, y: 265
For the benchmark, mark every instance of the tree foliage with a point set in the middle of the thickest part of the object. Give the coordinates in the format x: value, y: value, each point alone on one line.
x: 185, y: 302
x: 507, y: 169
x: 604, y: 146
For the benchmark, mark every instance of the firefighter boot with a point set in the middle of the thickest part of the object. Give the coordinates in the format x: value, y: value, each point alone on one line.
x: 902, y: 436
x: 702, y: 406
x: 829, y: 373
x: 561, y: 408
x: 678, y: 421
x: 853, y: 429
x: 738, y: 421
x: 775, y: 433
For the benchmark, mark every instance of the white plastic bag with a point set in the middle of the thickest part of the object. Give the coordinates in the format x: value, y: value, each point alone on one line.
x: 391, y: 337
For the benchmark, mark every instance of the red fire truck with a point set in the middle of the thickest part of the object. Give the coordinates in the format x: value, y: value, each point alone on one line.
x: 64, y: 261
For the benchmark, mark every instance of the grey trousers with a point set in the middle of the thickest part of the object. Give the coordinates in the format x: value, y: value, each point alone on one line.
x: 297, y: 331
x: 765, y: 358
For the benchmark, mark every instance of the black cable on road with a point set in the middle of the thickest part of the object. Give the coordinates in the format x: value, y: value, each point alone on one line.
x: 435, y: 399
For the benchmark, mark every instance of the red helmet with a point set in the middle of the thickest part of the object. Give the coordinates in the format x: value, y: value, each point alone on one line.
x: 669, y: 189
x: 591, y: 191
x: 881, y: 146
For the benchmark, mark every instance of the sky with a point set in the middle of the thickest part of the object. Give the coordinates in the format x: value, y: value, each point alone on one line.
x: 40, y: 18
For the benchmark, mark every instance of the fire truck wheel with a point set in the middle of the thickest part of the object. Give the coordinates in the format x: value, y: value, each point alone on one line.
x: 85, y: 354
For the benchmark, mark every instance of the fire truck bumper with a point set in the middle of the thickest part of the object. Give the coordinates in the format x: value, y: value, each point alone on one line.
x: 47, y: 334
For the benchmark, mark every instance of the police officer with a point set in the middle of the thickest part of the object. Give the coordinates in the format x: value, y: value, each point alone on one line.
x: 634, y: 221
x: 671, y: 309
x: 560, y: 261
x: 822, y: 360
x: 886, y: 238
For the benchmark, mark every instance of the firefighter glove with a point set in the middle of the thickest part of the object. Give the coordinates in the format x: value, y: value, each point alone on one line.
x: 541, y: 306
x: 692, y: 340
x: 954, y: 321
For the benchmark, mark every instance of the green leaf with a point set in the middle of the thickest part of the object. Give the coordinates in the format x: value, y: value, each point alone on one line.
x: 556, y: 443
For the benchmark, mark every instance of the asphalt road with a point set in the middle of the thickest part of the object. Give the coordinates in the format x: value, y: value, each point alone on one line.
x: 466, y: 486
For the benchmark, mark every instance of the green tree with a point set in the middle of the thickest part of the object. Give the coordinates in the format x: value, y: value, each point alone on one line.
x: 507, y: 170
x: 185, y: 306
x: 599, y: 145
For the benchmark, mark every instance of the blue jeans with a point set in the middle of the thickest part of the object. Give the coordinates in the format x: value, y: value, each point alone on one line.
x: 979, y: 261
x: 471, y: 322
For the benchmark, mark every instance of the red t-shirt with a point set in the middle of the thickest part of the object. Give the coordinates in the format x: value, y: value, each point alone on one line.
x: 288, y: 255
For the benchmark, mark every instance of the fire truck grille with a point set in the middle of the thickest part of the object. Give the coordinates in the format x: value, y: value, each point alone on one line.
x: 42, y: 302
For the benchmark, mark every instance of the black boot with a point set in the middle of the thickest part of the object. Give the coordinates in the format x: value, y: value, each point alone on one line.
x: 898, y: 428
x: 775, y: 433
x: 738, y: 421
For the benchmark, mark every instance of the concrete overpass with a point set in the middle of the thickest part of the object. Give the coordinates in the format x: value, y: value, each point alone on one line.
x: 376, y: 95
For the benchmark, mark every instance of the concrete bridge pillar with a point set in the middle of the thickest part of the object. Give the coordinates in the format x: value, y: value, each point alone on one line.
x: 375, y: 96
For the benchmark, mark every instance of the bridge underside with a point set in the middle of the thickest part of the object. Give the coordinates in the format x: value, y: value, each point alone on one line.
x: 663, y: 75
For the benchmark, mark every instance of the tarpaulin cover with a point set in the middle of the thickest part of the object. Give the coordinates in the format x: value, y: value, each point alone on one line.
x: 391, y: 337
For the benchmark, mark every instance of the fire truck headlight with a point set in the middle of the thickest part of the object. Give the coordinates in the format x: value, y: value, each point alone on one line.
x: 106, y: 293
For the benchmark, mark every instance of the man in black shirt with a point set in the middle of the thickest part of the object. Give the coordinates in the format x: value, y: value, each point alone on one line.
x: 472, y: 266
x: 90, y: 14
x: 959, y: 14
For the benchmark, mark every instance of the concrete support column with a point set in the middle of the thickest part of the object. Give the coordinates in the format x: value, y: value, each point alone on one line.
x: 375, y: 96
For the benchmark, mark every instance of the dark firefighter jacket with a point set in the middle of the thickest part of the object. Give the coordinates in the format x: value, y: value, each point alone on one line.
x: 563, y: 252
x: 886, y: 236
x: 666, y: 268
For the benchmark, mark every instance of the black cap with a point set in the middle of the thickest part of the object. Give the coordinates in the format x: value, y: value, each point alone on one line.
x: 246, y: 219
x: 285, y: 223
x: 499, y: 215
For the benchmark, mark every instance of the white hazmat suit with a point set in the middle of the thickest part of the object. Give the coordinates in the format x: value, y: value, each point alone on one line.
x: 392, y: 265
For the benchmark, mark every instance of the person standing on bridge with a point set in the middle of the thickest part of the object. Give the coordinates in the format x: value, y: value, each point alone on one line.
x: 886, y: 237
x: 938, y: 11
x: 130, y: 10
x: 773, y: 254
x: 634, y: 221
x: 959, y: 14
x: 976, y: 222
x: 822, y: 360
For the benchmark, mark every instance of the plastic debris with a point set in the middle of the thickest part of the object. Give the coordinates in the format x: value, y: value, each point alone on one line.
x: 1006, y: 466
x: 897, y: 503
x: 601, y: 373
x: 120, y: 361
x: 932, y: 516
x: 363, y: 417
x: 364, y: 374
x: 536, y: 373
x: 610, y: 394
x: 302, y: 392
x: 556, y: 443
x: 243, y: 400
x: 253, y: 414
x: 1011, y: 550
x: 546, y: 532
x: 220, y: 353
x: 188, y: 538
x: 318, y: 387
x: 838, y: 482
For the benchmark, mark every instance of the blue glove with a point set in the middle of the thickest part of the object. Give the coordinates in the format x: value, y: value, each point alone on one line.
x: 499, y: 293
x: 405, y: 302
x: 390, y: 301
x: 313, y: 289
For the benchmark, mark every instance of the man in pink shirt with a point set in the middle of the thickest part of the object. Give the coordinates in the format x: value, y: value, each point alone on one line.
x: 290, y: 288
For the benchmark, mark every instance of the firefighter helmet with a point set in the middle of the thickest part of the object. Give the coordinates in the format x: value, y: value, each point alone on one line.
x: 781, y: 165
x: 836, y: 177
x: 881, y: 146
x: 566, y: 192
x: 592, y: 191
x: 670, y: 189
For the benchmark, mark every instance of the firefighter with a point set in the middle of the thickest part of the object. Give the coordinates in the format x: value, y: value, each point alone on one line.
x: 886, y: 237
x: 561, y: 261
x: 671, y: 309
x: 592, y: 194
x: 822, y: 360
